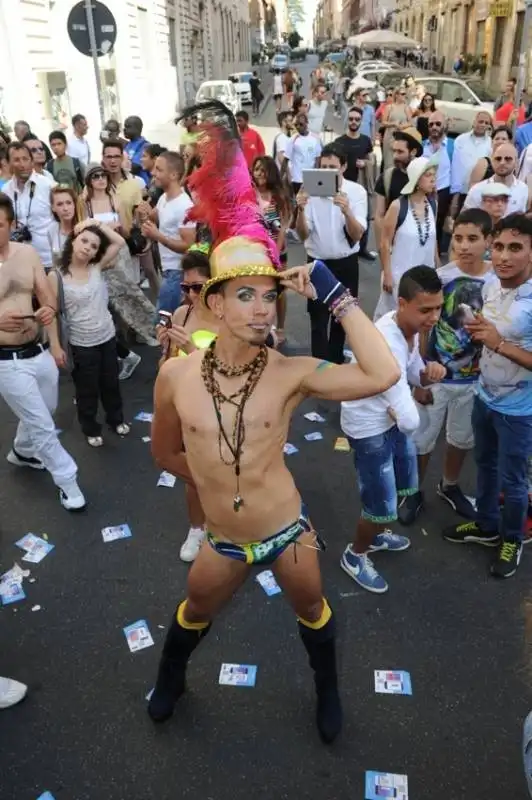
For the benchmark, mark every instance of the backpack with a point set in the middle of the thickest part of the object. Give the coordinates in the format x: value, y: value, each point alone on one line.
x: 77, y: 170
x: 403, y: 209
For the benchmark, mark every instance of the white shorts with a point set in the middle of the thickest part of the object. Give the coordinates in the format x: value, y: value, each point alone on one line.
x: 455, y: 401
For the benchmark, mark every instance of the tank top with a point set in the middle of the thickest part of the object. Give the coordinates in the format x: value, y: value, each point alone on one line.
x: 89, y: 320
x: 200, y: 339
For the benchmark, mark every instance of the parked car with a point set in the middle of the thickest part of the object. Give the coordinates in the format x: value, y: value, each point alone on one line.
x: 279, y: 61
x: 460, y: 99
x: 240, y: 81
x: 219, y: 90
x: 298, y: 54
x: 335, y: 58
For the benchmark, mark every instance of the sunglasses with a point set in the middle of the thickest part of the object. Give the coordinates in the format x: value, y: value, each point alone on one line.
x: 355, y: 119
x: 503, y: 158
x: 389, y: 94
x: 36, y: 149
x: 96, y: 176
x: 403, y: 94
x: 186, y: 288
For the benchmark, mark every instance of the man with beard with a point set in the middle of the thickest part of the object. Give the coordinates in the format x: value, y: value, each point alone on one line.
x: 356, y: 146
x: 221, y: 420
x: 439, y: 145
x: 406, y: 146
x: 504, y: 161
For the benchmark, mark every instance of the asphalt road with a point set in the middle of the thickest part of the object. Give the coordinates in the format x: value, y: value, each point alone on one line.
x: 83, y: 732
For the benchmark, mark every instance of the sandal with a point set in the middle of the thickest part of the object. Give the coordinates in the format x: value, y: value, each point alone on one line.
x: 122, y: 429
x: 95, y: 441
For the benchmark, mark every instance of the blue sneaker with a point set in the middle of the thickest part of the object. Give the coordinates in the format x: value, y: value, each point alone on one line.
x: 387, y: 540
x: 360, y: 567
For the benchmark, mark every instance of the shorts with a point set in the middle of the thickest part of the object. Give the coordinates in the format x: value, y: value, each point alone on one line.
x: 386, y: 466
x: 267, y: 550
x: 455, y: 401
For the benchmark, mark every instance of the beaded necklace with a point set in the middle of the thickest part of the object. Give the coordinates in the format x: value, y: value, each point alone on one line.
x: 423, y: 233
x: 235, y: 440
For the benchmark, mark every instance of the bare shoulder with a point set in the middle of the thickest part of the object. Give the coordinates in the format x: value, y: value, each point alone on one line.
x: 179, y: 315
x: 295, y: 368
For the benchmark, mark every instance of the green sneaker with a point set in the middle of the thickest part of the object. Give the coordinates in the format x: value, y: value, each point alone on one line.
x: 470, y: 532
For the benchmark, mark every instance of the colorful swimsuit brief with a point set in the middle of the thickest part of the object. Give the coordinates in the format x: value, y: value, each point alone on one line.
x: 267, y: 550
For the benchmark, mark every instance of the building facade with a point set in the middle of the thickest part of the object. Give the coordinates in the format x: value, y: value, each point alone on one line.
x: 163, y: 50
x: 268, y: 22
x: 489, y: 32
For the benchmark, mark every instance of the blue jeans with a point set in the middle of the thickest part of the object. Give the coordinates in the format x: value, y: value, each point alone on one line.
x: 170, y: 291
x: 386, y: 466
x: 503, y: 444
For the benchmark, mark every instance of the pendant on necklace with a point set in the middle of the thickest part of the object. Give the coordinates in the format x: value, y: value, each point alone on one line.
x: 238, y: 502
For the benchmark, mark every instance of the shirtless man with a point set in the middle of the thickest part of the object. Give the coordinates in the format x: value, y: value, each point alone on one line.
x: 253, y: 510
x: 28, y: 372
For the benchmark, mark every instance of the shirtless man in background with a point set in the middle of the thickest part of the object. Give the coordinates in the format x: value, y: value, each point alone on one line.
x: 28, y: 371
x: 234, y: 456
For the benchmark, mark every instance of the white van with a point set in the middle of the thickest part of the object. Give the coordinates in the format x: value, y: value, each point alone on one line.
x: 219, y: 90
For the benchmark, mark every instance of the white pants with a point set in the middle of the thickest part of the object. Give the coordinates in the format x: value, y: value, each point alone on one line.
x: 455, y: 401
x: 30, y: 387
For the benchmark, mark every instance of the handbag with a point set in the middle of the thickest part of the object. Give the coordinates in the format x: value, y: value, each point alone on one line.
x: 62, y: 321
x: 136, y: 241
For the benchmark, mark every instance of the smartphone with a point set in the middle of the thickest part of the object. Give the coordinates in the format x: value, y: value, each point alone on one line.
x: 165, y: 318
x: 467, y: 311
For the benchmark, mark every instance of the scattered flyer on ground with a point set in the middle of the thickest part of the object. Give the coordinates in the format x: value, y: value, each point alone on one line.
x: 46, y: 796
x: 314, y: 436
x: 35, y: 547
x: 392, y: 682
x: 11, y: 592
x: 148, y: 696
x: 289, y: 449
x: 138, y: 635
x: 268, y: 582
x: 313, y: 416
x: 238, y: 675
x: 166, y: 479
x: 386, y: 784
x: 144, y: 416
x: 342, y: 445
x: 116, y: 532
x: 146, y: 439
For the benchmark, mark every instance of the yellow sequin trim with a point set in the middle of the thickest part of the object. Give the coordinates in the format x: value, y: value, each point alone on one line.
x: 249, y: 271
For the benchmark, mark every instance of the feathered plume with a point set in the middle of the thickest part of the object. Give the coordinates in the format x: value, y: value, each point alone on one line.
x: 224, y: 196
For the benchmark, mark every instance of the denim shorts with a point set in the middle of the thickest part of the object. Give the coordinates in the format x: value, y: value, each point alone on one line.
x: 170, y: 291
x: 386, y: 467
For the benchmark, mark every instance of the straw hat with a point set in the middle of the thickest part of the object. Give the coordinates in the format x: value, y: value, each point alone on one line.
x: 414, y: 137
x: 415, y: 170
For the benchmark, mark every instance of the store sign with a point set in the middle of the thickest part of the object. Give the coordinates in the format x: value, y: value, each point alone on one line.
x: 501, y: 8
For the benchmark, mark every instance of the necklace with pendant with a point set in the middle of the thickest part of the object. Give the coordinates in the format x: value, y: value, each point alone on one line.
x: 423, y: 233
x: 233, y: 441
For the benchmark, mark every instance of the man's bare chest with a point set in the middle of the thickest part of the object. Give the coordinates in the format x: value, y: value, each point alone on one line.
x: 15, y: 280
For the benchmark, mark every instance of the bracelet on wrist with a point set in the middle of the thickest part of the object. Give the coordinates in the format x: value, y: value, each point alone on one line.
x: 498, y: 348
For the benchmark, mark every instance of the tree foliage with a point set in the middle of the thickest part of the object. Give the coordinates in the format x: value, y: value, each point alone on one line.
x: 296, y: 12
x: 294, y: 39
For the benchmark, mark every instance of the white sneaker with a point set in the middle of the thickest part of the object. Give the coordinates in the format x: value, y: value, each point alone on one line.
x: 23, y: 461
x: 71, y: 497
x: 129, y: 365
x: 192, y: 544
x: 11, y: 692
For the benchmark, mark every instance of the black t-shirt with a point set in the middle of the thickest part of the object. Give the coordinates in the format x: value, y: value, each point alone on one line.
x: 354, y: 148
x: 398, y: 181
x: 254, y: 84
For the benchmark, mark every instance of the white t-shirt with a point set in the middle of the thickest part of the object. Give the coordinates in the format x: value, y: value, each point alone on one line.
x: 369, y: 417
x: 79, y: 148
x: 277, y: 84
x: 517, y: 202
x: 172, y: 215
x: 326, y: 223
x: 32, y: 208
x: 280, y: 145
x: 302, y: 152
x: 316, y: 115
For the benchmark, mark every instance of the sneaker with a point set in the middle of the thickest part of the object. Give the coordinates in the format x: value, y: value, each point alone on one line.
x: 11, y: 692
x: 457, y: 500
x: 470, y: 532
x: 369, y: 255
x: 71, y: 497
x: 95, y: 441
x: 507, y: 559
x: 23, y: 461
x: 192, y: 544
x: 129, y: 365
x: 122, y: 429
x: 387, y: 540
x: 409, y: 507
x: 360, y: 567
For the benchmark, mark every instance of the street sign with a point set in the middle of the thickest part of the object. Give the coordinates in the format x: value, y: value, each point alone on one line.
x: 104, y: 28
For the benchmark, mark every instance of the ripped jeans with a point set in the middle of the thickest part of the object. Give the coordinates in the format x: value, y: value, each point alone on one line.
x: 386, y: 466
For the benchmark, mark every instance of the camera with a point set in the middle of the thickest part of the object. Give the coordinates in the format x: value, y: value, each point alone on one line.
x: 165, y: 319
x: 21, y: 234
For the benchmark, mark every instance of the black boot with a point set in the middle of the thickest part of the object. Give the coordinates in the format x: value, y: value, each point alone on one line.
x: 321, y: 648
x: 178, y: 647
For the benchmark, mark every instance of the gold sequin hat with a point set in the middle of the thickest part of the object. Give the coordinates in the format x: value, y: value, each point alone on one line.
x: 226, y: 201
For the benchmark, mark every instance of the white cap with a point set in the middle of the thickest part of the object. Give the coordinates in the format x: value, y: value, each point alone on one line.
x: 495, y: 189
x: 417, y: 168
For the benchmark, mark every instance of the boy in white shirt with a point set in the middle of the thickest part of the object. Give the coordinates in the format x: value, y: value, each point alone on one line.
x: 379, y: 428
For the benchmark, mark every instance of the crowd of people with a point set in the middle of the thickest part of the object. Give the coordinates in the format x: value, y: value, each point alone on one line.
x: 207, y: 226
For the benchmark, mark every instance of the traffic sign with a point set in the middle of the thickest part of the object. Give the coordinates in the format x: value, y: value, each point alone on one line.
x: 104, y: 28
